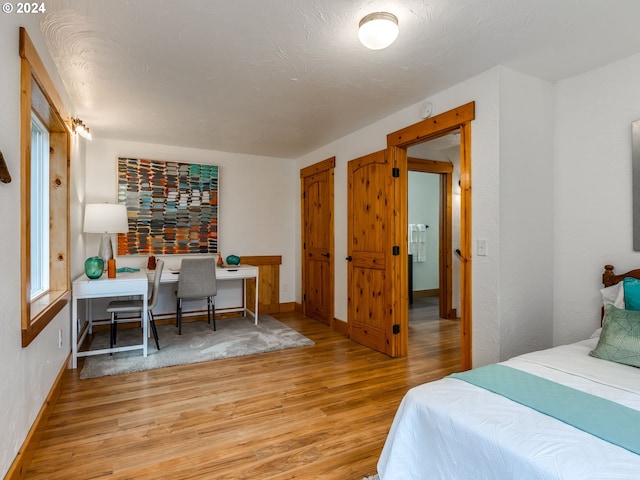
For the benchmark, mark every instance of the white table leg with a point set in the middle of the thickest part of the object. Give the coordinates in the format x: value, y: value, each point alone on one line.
x: 145, y: 324
x: 256, y: 305
x: 74, y: 333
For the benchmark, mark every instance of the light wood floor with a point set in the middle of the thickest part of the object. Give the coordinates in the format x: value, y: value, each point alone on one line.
x: 319, y: 412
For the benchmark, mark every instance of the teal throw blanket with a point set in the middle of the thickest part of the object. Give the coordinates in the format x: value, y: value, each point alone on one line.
x: 597, y: 416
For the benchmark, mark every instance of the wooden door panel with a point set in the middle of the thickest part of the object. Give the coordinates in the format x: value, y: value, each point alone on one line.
x: 370, y: 207
x: 369, y: 296
x: 317, y: 290
x: 369, y: 327
x: 368, y: 259
x: 317, y: 216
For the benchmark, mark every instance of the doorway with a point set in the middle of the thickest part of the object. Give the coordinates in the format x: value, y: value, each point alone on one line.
x: 457, y: 119
x: 434, y: 222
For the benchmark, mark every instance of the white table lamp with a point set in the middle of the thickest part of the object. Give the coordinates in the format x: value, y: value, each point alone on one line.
x: 105, y: 218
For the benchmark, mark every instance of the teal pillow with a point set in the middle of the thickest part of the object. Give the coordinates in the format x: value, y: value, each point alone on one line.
x: 631, y: 293
x: 620, y: 338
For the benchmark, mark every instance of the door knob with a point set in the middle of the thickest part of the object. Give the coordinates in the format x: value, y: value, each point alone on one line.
x: 349, y: 258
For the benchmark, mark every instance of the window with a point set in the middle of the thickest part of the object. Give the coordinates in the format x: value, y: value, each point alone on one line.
x: 44, y: 183
x: 39, y: 208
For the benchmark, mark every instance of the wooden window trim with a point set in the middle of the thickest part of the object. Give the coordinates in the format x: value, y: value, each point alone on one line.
x: 38, y: 94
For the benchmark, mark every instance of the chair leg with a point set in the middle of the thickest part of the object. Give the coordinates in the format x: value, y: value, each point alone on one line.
x: 212, y: 307
x: 208, y: 309
x: 152, y: 322
x: 112, y: 333
x: 179, y: 316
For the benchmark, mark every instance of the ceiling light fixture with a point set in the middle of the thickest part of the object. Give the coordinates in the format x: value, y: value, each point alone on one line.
x: 378, y: 30
x: 80, y: 128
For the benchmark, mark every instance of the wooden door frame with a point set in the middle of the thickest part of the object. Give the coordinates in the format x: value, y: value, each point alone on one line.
x: 325, y: 165
x: 459, y: 118
x: 445, y: 253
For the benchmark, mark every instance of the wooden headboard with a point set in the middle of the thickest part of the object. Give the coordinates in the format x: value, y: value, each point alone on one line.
x: 610, y: 278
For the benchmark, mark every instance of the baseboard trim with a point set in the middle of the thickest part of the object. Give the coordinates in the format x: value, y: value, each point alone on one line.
x: 289, y: 307
x: 435, y: 292
x: 337, y: 324
x: 20, y: 464
x: 340, y: 326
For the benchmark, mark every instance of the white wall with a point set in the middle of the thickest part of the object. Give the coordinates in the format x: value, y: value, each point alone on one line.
x: 26, y: 374
x: 424, y: 208
x: 526, y: 213
x: 593, y: 190
x: 256, y: 210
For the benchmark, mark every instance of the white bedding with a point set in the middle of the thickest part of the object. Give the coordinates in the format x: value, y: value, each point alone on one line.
x: 450, y: 429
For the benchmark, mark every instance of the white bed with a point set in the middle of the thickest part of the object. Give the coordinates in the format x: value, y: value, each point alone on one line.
x: 451, y: 429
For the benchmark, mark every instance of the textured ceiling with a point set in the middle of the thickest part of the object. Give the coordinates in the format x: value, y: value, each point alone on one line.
x: 284, y: 77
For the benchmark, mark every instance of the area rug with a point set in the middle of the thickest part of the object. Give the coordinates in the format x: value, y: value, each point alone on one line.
x: 198, y: 343
x: 372, y: 477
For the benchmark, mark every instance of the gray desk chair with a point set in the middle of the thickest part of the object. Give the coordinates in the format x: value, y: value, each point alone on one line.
x: 135, y: 306
x: 197, y: 281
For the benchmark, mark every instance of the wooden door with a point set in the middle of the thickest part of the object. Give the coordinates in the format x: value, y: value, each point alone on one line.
x: 371, y: 271
x: 317, y: 241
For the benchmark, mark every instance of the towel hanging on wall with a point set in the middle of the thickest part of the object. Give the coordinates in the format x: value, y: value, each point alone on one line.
x: 418, y: 241
x: 422, y: 243
x: 413, y: 236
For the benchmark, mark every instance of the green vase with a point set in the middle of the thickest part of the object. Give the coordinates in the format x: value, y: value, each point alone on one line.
x: 233, y: 260
x: 93, y: 267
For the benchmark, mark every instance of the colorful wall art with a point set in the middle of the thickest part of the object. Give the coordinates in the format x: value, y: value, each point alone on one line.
x: 172, y: 207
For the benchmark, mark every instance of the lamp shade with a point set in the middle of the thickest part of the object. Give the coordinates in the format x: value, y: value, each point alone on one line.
x: 378, y: 30
x: 105, y: 218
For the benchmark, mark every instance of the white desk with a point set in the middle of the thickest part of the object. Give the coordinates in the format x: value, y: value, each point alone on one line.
x: 125, y: 284
x: 239, y: 272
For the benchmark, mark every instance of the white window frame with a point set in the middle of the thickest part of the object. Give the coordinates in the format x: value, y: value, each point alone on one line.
x: 40, y: 214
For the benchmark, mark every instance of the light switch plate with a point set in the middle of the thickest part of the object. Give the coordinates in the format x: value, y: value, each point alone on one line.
x: 483, y: 249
